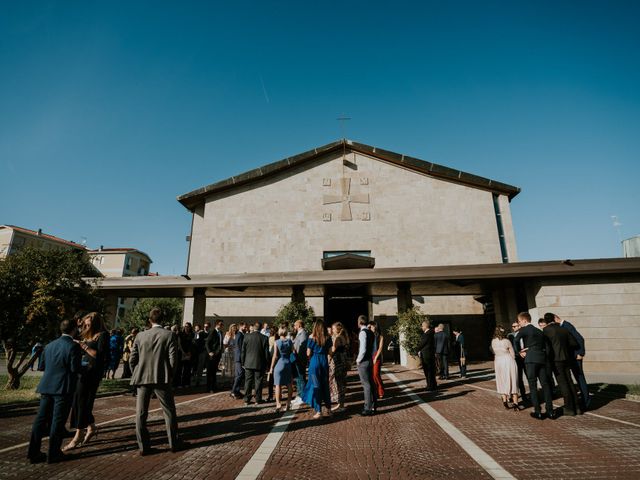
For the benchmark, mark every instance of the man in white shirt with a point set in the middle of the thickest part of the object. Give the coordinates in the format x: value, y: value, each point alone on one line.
x: 365, y: 366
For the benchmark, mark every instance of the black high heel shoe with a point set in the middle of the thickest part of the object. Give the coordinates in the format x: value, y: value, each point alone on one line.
x: 506, y: 405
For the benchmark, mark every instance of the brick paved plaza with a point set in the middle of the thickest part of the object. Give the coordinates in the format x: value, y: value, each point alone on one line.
x: 460, y: 432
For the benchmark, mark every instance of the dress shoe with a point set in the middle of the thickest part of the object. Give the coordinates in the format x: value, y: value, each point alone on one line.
x: 179, y: 446
x: 260, y: 402
x: 538, y: 416
x: 366, y: 413
x: 56, y: 458
x: 553, y: 414
x: 147, y: 451
x: 37, y: 458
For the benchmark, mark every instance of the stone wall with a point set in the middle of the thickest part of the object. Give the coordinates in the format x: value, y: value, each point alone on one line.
x: 607, y: 314
x: 404, y: 218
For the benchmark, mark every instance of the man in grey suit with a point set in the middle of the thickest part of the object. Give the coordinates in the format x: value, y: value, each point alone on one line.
x: 254, y: 357
x: 153, y: 360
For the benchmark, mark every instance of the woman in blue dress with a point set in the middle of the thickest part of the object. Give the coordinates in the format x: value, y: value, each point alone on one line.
x: 281, y: 368
x: 316, y: 391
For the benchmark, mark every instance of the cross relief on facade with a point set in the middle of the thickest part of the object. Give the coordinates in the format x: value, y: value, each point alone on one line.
x: 346, y: 198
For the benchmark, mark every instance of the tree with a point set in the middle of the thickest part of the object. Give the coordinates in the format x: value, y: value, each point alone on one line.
x: 408, y: 329
x: 293, y: 311
x: 39, y: 289
x: 138, y: 316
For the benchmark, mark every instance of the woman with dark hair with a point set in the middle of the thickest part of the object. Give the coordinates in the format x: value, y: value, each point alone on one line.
x: 94, y: 341
x: 505, y: 368
x: 187, y: 345
x: 378, y: 344
x: 338, y: 366
x: 316, y: 391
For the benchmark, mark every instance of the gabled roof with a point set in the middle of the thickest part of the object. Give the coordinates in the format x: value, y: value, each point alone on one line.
x: 40, y: 234
x: 192, y: 199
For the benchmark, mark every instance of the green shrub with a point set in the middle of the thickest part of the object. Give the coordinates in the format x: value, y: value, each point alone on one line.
x: 408, y: 329
x: 293, y: 311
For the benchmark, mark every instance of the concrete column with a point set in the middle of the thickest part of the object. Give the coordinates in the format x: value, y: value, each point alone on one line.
x: 199, y: 306
x: 110, y: 310
x: 505, y: 306
x: 297, y: 294
x: 405, y: 300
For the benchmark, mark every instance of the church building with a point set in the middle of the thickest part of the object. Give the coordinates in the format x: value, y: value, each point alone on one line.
x: 356, y: 230
x: 348, y: 205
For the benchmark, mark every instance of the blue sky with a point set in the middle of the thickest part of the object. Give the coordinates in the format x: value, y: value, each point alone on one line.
x: 109, y: 110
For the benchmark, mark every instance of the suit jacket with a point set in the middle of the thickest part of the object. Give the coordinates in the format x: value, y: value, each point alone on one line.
x: 561, y: 342
x: 237, y: 352
x: 154, y: 357
x: 61, y: 362
x: 442, y: 343
x: 535, y: 343
x: 427, y: 347
x: 214, y: 342
x: 255, y: 351
x: 579, y: 350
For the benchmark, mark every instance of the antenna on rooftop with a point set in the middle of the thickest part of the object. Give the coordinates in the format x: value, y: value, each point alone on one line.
x: 342, y: 119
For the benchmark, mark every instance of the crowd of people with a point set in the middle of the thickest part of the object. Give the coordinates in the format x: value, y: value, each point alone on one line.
x: 161, y: 359
x: 548, y: 355
x: 283, y: 359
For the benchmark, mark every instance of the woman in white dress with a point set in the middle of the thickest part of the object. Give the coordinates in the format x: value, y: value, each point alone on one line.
x: 506, y: 368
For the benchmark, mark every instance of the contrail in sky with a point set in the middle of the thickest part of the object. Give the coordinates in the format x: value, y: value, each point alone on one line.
x: 264, y: 90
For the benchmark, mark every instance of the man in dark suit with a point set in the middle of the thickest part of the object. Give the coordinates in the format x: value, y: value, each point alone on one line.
x: 575, y: 364
x: 154, y: 359
x: 427, y: 353
x: 562, y: 346
x: 214, y: 345
x: 535, y: 359
x: 254, y: 358
x: 513, y: 336
x: 61, y: 361
x: 442, y: 351
x: 238, y: 380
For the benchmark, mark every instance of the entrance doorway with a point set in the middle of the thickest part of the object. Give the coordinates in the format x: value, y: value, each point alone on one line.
x: 345, y: 303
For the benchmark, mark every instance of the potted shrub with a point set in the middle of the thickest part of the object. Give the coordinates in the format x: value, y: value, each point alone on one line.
x: 408, y: 330
x: 293, y: 311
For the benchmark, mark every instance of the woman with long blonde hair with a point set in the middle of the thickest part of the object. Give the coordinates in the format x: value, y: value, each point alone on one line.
x: 94, y: 341
x: 316, y: 391
x: 230, y: 344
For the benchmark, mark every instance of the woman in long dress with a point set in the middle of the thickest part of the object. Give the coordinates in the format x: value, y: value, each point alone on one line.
x: 230, y: 344
x: 338, y: 366
x: 378, y: 345
x: 95, y: 345
x: 316, y: 391
x: 505, y: 368
x: 281, y: 368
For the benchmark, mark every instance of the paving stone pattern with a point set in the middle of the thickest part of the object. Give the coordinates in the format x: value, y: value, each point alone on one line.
x: 401, y: 441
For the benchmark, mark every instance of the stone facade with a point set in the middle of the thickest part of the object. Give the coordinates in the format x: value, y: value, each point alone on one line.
x: 288, y: 221
x: 285, y: 223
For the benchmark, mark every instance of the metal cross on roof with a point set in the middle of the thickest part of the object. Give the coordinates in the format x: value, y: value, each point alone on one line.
x: 346, y: 198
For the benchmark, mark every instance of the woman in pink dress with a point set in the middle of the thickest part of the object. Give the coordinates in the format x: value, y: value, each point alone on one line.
x: 506, y: 368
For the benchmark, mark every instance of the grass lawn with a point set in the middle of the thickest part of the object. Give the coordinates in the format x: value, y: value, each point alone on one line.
x: 28, y: 384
